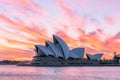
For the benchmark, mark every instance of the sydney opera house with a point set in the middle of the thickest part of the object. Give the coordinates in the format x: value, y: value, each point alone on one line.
x: 58, y: 53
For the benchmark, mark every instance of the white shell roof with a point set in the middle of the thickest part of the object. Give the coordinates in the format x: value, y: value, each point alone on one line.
x: 63, y: 46
x: 45, y: 50
x: 79, y: 52
x: 38, y: 51
x: 55, y: 49
x: 58, y: 49
x: 73, y: 55
x: 96, y: 56
x: 60, y: 54
x: 91, y: 57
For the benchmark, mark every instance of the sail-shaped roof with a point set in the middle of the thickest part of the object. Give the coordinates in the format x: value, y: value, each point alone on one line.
x: 62, y: 45
x: 98, y: 56
x: 55, y: 48
x: 90, y: 57
x: 73, y: 55
x: 38, y: 51
x: 79, y: 52
x: 94, y: 57
x: 44, y: 50
x: 58, y: 49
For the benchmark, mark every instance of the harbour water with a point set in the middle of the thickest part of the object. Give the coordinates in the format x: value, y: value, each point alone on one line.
x: 12, y: 72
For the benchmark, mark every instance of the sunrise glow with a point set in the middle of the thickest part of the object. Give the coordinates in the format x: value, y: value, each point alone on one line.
x: 91, y: 24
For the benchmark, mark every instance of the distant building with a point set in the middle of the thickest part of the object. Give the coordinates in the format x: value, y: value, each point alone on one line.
x: 57, y: 53
x: 116, y: 58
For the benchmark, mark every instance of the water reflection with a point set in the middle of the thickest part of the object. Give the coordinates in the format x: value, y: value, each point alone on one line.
x: 59, y: 73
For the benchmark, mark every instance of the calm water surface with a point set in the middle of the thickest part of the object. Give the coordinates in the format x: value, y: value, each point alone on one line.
x: 8, y: 72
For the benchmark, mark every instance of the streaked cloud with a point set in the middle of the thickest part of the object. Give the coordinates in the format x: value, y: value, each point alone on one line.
x: 81, y: 23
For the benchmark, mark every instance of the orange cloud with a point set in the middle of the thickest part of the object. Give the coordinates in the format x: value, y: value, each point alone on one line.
x: 37, y: 25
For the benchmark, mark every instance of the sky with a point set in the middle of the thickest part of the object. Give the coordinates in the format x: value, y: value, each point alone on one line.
x: 92, y: 24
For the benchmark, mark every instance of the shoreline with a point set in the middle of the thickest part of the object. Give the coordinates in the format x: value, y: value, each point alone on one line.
x: 73, y: 65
